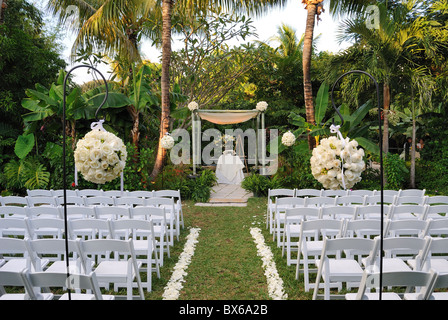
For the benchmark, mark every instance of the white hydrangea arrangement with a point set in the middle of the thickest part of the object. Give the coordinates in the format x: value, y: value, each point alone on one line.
x: 337, y: 163
x: 288, y: 139
x: 100, y: 156
x: 262, y: 106
x: 167, y: 141
x: 193, y: 106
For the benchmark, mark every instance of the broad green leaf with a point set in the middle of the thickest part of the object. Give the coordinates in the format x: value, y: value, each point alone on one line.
x: 368, y: 145
x: 180, y: 113
x: 114, y: 100
x: 24, y: 145
x: 360, y: 113
x: 320, y: 132
x: 41, y: 96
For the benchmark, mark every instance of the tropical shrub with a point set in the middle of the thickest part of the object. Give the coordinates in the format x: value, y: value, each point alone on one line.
x: 395, y: 171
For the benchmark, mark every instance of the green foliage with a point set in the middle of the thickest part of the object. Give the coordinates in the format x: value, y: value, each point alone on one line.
x: 259, y: 184
x: 26, y: 173
x: 396, y: 171
x: 24, y: 145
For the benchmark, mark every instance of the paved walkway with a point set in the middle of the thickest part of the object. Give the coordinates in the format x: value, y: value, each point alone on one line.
x: 228, y: 195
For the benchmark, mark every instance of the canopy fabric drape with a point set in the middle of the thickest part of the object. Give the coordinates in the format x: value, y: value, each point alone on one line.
x: 228, y: 116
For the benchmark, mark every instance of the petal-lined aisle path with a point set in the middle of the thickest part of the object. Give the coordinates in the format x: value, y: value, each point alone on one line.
x: 227, y: 259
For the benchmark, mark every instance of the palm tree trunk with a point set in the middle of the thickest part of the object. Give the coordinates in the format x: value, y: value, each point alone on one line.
x: 413, y: 145
x: 167, y: 7
x: 306, y: 60
x: 135, y: 132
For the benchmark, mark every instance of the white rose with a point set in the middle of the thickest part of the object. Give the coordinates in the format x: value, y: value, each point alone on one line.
x: 261, y: 106
x: 167, y: 142
x: 193, y: 105
x: 288, y: 139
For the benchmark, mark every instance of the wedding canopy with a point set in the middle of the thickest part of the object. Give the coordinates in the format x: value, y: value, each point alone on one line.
x: 223, y: 117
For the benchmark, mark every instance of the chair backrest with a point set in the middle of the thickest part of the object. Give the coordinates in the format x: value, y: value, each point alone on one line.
x: 73, y: 282
x: 130, y: 201
x: 168, y: 193
x: 89, y: 228
x: 339, y: 212
x: 290, y: 202
x: 134, y: 227
x: 407, y: 211
x: 321, y: 201
x: 412, y: 192
x: 44, y: 212
x: 362, y: 246
x: 141, y: 194
x: 99, y: 201
x: 405, y: 227
x: 111, y: 212
x: 115, y: 193
x: 436, y: 211
x: 415, y: 200
x: 350, y: 200
x: 388, y: 192
x: 409, y: 279
x: 376, y: 199
x: 39, y: 193
x: 373, y: 212
x: 14, y: 227
x: 41, y: 227
x: 13, y: 248
x: 303, y: 213
x: 14, y: 201
x: 16, y: 279
x: 42, y: 201
x: 437, y: 227
x: 437, y: 200
x: 78, y: 212
x: 13, y: 211
x: 308, y: 192
x: 334, y: 193
x: 281, y: 192
x: 69, y: 193
x: 362, y: 192
x: 322, y: 227
x: 149, y: 213
x: 90, y: 192
x: 406, y: 247
x: 71, y: 200
x: 158, y: 201
x: 362, y: 228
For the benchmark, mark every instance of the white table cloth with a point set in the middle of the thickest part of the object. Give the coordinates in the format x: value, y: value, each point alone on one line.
x: 229, y: 169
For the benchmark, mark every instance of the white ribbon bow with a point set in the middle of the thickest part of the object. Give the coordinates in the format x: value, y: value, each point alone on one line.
x: 336, y: 129
x: 98, y: 125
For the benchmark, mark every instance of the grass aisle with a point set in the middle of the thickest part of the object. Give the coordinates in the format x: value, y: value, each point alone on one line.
x: 225, y: 265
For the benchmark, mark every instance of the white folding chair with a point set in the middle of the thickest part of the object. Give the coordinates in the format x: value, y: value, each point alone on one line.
x: 362, y: 192
x: 363, y: 228
x: 293, y: 218
x: 441, y: 282
x: 281, y: 204
x: 388, y: 192
x: 46, y: 227
x: 436, y: 258
x: 141, y: 194
x: 78, y: 212
x: 175, y: 194
x: 39, y: 193
x: 55, y: 250
x: 143, y: 237
x: 112, y: 212
x: 311, y: 235
x: 99, y: 201
x: 90, y: 193
x: 173, y: 219
x: 16, y: 279
x: 275, y: 193
x: 413, y: 200
x: 60, y: 193
x: 115, y: 193
x: 129, y: 202
x: 308, y: 193
x: 339, y: 212
x: 320, y: 201
x: 334, y: 193
x: 16, y: 256
x: 159, y: 220
x: 121, y: 269
x: 77, y: 282
x: 388, y: 199
x: 71, y: 201
x: 344, y: 269
x: 436, y: 212
x: 437, y: 228
x: 350, y: 200
x: 410, y: 280
x: 407, y: 211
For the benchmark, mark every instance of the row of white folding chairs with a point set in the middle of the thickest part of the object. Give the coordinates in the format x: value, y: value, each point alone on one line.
x: 34, y: 284
x: 85, y: 256
x: 91, y: 227
x: 297, y: 227
x: 96, y: 192
x: 333, y: 193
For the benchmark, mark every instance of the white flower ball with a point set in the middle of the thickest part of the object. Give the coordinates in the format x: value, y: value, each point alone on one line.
x: 193, y: 106
x: 167, y: 142
x: 288, y: 139
x: 261, y: 106
x: 98, y: 154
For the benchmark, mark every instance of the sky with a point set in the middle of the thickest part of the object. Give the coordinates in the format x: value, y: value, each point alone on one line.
x: 292, y: 14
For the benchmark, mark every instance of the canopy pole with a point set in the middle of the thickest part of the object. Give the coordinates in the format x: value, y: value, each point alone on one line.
x: 193, y: 132
x: 263, y: 144
x: 258, y: 141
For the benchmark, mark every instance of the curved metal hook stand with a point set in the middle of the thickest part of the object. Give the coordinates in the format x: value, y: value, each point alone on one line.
x: 63, y: 157
x: 381, y: 157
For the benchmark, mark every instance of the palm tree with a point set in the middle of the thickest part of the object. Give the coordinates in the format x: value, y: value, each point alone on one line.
x: 314, y: 9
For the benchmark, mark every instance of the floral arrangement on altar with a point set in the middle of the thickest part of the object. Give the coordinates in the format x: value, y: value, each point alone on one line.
x: 193, y: 106
x: 262, y: 106
x: 337, y: 163
x: 100, y: 156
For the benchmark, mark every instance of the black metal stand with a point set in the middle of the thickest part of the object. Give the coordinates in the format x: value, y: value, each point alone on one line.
x: 64, y: 169
x: 381, y: 160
